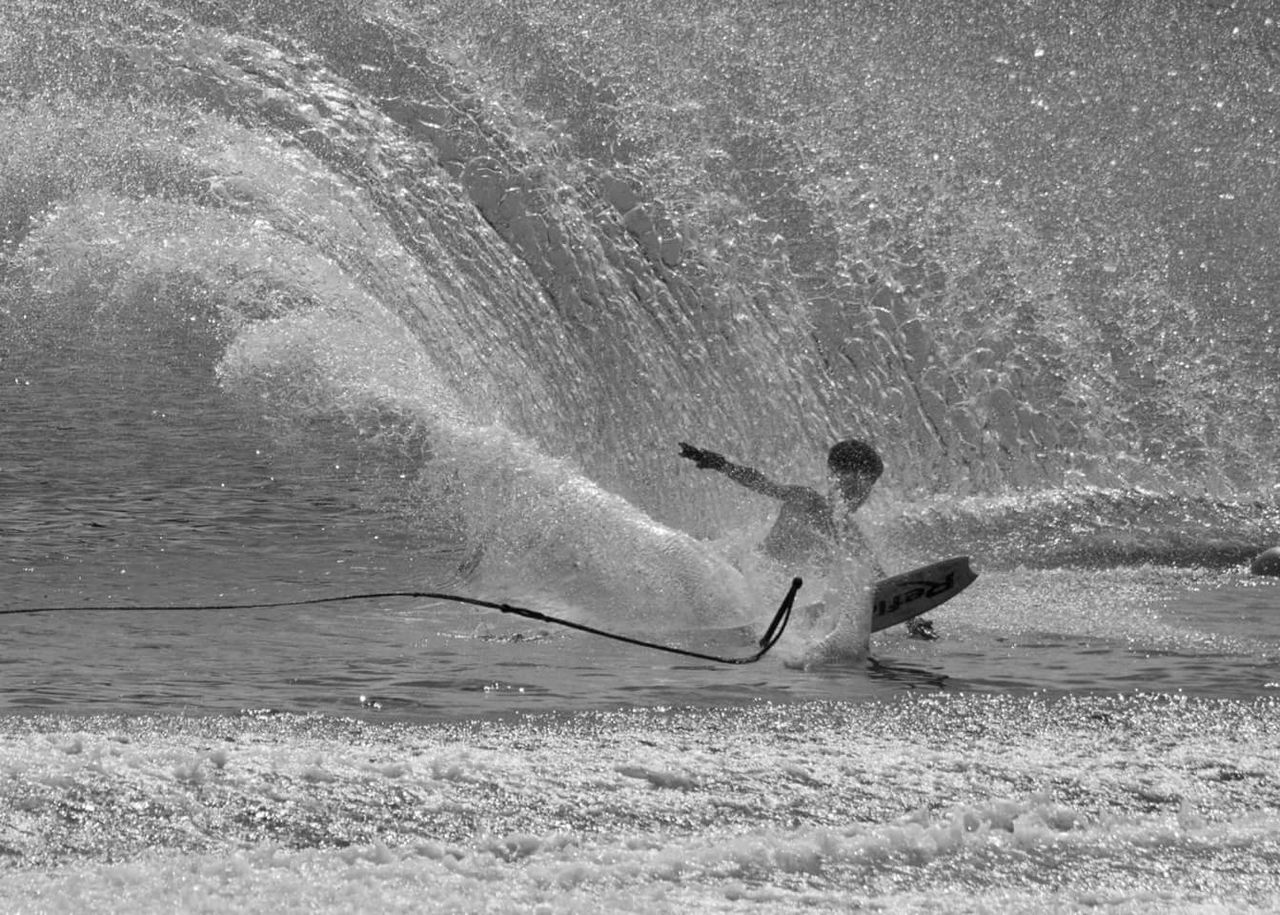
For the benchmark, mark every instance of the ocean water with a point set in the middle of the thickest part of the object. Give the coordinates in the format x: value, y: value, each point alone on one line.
x: 319, y: 299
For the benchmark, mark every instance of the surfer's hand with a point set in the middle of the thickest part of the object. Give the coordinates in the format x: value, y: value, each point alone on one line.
x: 706, y: 460
x: 921, y: 629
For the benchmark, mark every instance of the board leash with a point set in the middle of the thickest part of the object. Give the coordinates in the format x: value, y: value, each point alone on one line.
x: 770, y: 638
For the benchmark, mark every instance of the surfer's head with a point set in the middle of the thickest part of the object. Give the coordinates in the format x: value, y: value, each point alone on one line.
x: 856, y: 466
x: 854, y: 456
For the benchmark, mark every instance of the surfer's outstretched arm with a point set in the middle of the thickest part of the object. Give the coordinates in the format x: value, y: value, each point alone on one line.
x: 744, y: 476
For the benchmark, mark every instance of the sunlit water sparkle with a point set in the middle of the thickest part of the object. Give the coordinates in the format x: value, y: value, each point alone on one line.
x: 319, y: 298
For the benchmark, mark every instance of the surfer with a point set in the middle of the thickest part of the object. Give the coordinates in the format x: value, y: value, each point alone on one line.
x: 809, y: 527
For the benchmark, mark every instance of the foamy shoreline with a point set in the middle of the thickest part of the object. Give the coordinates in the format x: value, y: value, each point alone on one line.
x: 937, y: 802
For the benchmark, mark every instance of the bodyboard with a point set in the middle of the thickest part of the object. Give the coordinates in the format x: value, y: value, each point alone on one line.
x: 902, y: 597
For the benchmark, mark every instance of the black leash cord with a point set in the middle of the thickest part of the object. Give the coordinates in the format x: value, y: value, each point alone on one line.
x: 767, y: 641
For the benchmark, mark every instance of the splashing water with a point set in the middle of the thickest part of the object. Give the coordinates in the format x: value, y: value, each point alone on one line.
x: 306, y: 297
x: 481, y: 301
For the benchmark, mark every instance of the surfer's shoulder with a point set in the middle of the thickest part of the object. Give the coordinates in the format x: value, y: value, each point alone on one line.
x: 805, y: 497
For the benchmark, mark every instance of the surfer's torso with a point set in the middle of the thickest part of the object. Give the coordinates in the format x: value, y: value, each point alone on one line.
x: 805, y: 531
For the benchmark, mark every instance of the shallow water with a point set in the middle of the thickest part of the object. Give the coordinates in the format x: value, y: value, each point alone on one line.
x: 1151, y: 629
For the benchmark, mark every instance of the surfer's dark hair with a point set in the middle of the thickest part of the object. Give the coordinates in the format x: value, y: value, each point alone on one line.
x: 854, y: 456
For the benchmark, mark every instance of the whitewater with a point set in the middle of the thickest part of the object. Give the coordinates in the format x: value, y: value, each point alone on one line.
x: 320, y: 298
